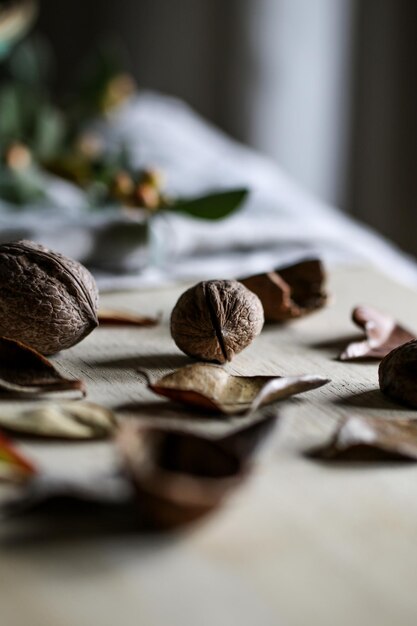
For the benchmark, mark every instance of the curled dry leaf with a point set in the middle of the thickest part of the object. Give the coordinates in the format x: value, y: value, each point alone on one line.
x: 371, y: 439
x: 13, y: 464
x: 170, y: 478
x: 290, y: 292
x: 211, y: 388
x: 180, y: 477
x: 113, y: 317
x: 64, y: 420
x: 26, y: 373
x: 398, y: 374
x: 383, y: 334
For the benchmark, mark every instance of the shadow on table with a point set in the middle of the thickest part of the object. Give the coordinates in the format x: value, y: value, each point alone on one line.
x: 336, y: 346
x: 168, y: 409
x: 337, y: 343
x: 151, y: 361
x: 66, y: 519
x: 370, y: 399
x: 362, y: 457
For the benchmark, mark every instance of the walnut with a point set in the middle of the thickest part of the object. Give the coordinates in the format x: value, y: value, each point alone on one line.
x: 47, y: 300
x: 216, y: 319
x: 398, y: 374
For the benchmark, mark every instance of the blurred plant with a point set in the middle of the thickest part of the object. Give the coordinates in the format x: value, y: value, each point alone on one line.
x: 16, y: 17
x: 39, y: 134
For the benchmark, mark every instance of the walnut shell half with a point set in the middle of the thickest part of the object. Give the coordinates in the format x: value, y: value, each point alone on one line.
x: 398, y: 374
x: 216, y: 319
x: 47, y: 300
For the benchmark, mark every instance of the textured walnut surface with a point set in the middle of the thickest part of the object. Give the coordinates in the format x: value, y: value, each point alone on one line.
x: 46, y: 300
x: 398, y: 374
x: 214, y: 320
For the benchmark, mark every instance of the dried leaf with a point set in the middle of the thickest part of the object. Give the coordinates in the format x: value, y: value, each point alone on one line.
x: 383, y: 334
x: 211, y: 388
x: 180, y: 477
x: 13, y: 465
x: 26, y: 373
x: 243, y: 442
x: 372, y: 439
x: 290, y: 292
x: 66, y: 420
x: 170, y: 478
x: 113, y: 317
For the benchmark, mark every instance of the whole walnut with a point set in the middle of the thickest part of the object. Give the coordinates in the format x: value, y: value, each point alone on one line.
x: 47, y: 300
x: 216, y: 319
x: 398, y: 374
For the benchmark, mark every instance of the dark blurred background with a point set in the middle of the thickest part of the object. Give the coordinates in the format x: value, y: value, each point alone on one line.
x: 326, y: 88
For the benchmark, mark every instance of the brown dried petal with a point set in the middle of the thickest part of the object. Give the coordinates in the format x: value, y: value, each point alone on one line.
x: 47, y: 300
x: 25, y: 373
x: 147, y: 494
x: 371, y: 439
x: 113, y: 317
x: 63, y: 420
x: 383, y: 334
x: 398, y: 374
x: 290, y: 292
x: 216, y: 319
x: 211, y: 388
x: 13, y: 464
x: 180, y: 477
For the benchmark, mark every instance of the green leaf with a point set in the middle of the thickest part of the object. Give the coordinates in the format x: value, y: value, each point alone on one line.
x: 21, y: 187
x: 10, y: 113
x: 49, y: 132
x: 31, y: 62
x: 214, y: 206
x: 19, y: 108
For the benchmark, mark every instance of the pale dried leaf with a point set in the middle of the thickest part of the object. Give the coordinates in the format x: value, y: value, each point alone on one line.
x: 371, y: 439
x: 382, y: 334
x: 66, y: 420
x: 211, y: 388
x: 114, y: 317
x: 26, y: 373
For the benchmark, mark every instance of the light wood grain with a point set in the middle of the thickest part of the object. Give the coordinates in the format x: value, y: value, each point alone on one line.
x: 300, y: 543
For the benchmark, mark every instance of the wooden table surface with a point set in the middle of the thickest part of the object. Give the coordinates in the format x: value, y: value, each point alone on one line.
x: 300, y: 543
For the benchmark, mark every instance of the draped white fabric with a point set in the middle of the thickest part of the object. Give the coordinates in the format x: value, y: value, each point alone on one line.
x: 279, y: 223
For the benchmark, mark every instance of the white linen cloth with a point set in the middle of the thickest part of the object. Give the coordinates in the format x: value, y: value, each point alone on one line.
x: 279, y: 222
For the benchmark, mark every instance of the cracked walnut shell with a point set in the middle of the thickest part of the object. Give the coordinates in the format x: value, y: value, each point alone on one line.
x: 47, y: 300
x: 290, y: 292
x: 216, y: 319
